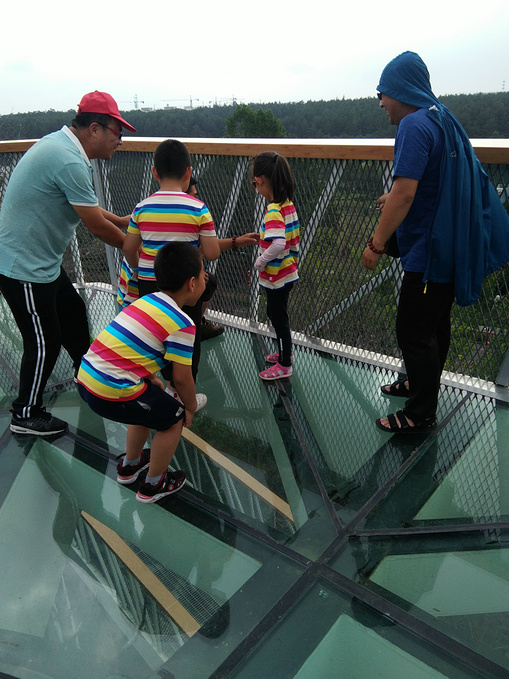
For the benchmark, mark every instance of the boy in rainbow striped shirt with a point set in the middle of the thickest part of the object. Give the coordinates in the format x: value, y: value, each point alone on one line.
x: 118, y: 375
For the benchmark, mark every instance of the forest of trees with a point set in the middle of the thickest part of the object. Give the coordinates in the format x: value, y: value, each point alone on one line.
x: 484, y: 116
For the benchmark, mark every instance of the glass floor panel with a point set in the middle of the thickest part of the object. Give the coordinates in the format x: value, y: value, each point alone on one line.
x: 306, y: 542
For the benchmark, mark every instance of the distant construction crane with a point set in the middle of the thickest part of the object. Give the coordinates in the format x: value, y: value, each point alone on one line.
x: 227, y: 100
x: 190, y: 100
x: 134, y: 101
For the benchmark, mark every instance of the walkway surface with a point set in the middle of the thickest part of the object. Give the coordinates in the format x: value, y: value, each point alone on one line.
x: 306, y: 542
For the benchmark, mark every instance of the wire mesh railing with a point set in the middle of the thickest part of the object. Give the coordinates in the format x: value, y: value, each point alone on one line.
x: 336, y: 301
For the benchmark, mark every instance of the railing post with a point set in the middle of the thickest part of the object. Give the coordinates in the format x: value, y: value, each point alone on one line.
x: 254, y: 295
x: 502, y: 378
x: 102, y: 191
x: 231, y: 203
x: 336, y: 173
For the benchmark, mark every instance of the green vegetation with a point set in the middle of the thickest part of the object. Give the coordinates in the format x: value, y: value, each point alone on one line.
x: 483, y: 116
x: 246, y: 122
x: 336, y: 205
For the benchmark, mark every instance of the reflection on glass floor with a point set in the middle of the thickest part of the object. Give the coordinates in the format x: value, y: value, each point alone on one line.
x: 305, y: 544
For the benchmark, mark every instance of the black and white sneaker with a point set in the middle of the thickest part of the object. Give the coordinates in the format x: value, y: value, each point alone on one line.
x: 42, y: 424
x: 169, y: 484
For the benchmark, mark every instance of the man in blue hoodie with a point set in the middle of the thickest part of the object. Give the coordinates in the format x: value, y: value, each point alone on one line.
x: 451, y: 231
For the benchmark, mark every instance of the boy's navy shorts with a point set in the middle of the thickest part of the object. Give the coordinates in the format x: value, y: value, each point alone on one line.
x: 154, y: 409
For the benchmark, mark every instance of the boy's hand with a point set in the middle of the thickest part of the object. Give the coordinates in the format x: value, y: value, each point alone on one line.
x: 184, y: 384
x: 156, y: 381
x: 188, y: 418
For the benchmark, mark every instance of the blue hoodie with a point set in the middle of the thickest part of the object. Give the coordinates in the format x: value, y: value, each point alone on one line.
x: 469, y: 236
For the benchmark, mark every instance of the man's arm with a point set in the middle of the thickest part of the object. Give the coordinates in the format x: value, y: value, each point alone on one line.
x: 95, y: 221
x: 120, y: 222
x: 395, y: 209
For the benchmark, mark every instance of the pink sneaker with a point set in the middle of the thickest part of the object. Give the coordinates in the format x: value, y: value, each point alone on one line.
x: 274, y: 358
x: 276, y: 372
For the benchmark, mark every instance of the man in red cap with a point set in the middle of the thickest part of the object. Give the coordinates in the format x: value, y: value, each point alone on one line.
x: 50, y: 191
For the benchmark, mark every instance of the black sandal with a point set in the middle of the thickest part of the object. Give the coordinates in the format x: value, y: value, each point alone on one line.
x: 404, y: 427
x: 397, y: 388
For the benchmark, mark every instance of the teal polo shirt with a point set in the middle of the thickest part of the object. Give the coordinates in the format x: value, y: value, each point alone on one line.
x: 37, y: 218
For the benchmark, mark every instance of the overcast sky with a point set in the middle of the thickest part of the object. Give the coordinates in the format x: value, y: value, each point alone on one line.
x: 164, y: 53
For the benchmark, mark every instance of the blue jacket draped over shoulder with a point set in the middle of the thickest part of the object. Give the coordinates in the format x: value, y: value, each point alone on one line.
x: 469, y: 237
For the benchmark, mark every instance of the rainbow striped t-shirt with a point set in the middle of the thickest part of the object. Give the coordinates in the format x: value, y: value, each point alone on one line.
x: 168, y: 216
x: 139, y: 341
x: 281, y: 221
x: 127, y: 290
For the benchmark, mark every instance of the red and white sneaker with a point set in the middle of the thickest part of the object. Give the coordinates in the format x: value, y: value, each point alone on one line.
x: 276, y: 372
x: 169, y: 484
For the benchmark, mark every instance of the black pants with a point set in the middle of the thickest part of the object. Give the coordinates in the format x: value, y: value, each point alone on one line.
x: 277, y: 311
x: 423, y: 329
x: 49, y: 316
x: 194, y: 312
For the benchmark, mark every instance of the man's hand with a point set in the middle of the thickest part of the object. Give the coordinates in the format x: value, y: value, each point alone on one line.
x: 394, y: 206
x: 370, y: 259
x: 380, y: 203
x: 102, y: 227
x: 120, y: 222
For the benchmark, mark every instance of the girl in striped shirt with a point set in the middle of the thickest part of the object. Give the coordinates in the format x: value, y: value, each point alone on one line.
x: 279, y: 243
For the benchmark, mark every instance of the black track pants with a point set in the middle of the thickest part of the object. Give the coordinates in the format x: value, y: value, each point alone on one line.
x: 49, y: 316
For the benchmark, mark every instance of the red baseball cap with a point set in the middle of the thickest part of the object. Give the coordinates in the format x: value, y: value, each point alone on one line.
x: 102, y: 102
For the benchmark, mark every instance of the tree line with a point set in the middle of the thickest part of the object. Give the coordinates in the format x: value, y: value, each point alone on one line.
x: 483, y: 115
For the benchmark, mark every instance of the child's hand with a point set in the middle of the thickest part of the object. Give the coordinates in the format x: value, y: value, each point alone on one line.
x: 188, y: 418
x: 259, y: 265
x: 248, y: 239
x: 156, y: 381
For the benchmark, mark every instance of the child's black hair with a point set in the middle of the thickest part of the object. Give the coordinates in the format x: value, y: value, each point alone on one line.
x: 277, y: 170
x: 171, y: 159
x: 176, y: 263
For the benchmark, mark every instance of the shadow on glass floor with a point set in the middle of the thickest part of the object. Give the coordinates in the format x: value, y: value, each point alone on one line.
x: 306, y: 543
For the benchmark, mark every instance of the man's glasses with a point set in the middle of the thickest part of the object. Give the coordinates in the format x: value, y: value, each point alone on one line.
x: 112, y: 129
x: 379, y: 95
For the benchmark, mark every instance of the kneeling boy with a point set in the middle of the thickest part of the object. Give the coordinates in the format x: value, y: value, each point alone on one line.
x: 117, y: 377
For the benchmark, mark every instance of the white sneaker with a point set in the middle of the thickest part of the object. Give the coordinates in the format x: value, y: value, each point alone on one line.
x: 201, y: 401
x: 172, y: 392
